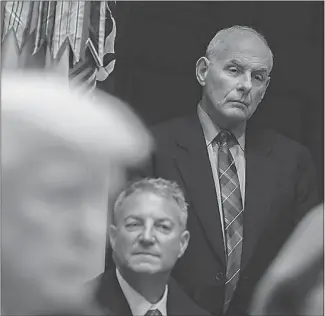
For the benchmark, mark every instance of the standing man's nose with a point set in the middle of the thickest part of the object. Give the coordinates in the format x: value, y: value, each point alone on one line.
x: 245, y: 83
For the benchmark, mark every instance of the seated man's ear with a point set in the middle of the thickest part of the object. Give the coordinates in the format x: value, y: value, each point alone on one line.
x: 202, y: 67
x: 112, y: 235
x: 185, y: 238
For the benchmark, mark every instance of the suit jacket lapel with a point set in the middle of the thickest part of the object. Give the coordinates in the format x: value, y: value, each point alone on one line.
x: 175, y: 304
x: 194, y: 165
x: 178, y: 303
x: 259, y: 187
x: 109, y: 295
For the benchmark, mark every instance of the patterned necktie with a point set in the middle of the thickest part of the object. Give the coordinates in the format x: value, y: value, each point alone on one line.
x: 232, y: 211
x: 153, y: 312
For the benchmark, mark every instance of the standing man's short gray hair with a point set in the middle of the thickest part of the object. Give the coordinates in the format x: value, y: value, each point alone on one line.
x: 220, y: 37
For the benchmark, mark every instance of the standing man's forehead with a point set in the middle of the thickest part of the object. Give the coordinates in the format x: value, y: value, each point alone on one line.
x: 226, y: 44
x: 227, y: 38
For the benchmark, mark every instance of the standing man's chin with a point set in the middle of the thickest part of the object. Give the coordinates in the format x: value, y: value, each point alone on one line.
x: 237, y: 116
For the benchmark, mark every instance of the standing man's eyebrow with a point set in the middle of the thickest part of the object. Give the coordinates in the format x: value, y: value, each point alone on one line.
x: 236, y: 62
x: 263, y: 70
x: 239, y: 64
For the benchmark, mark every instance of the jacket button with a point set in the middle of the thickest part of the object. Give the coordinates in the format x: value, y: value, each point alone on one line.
x: 220, y: 276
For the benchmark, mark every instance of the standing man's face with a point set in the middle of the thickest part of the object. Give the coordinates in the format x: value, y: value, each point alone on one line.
x: 235, y: 78
x: 55, y: 227
x: 148, y: 236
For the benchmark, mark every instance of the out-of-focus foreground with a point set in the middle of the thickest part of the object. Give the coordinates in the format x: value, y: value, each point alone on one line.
x: 64, y: 157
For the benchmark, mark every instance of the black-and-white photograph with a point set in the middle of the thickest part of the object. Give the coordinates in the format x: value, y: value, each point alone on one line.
x: 162, y: 158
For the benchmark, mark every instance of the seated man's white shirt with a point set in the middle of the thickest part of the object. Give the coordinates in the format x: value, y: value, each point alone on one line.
x: 137, y: 303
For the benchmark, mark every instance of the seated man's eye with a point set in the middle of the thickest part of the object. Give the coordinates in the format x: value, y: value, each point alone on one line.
x: 233, y: 70
x: 132, y: 225
x: 164, y: 227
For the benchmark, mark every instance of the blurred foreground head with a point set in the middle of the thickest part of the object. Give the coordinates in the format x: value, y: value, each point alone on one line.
x: 64, y: 157
x: 294, y: 283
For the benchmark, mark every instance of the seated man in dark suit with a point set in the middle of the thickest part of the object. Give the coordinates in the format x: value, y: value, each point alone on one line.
x: 148, y: 234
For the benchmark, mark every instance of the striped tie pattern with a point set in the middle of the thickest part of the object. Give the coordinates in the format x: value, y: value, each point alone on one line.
x: 233, y: 212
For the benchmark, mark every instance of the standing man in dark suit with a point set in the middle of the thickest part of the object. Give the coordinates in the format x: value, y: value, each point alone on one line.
x: 148, y: 234
x: 246, y: 186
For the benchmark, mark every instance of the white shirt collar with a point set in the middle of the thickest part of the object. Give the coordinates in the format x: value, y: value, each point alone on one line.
x: 211, y: 130
x: 138, y: 304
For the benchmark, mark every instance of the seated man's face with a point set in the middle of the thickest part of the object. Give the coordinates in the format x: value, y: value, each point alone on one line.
x: 53, y: 225
x: 148, y: 236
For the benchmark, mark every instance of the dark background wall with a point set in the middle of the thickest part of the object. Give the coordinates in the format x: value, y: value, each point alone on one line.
x: 158, y: 44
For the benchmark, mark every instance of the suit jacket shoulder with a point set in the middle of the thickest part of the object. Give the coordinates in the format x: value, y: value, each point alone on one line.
x: 109, y: 296
x: 177, y: 128
x: 279, y: 141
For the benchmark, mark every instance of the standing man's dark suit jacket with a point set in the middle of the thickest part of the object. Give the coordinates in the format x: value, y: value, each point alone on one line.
x: 109, y: 296
x: 280, y: 189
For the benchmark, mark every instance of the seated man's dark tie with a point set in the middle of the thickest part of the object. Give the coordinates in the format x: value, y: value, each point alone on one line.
x: 153, y: 312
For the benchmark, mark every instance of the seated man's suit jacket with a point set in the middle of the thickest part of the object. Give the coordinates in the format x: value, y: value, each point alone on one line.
x: 280, y: 189
x: 109, y: 296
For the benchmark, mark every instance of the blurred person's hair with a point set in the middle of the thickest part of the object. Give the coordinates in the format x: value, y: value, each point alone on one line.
x: 102, y: 125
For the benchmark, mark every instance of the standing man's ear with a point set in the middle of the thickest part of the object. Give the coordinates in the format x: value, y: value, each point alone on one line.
x: 266, y: 85
x: 202, y: 67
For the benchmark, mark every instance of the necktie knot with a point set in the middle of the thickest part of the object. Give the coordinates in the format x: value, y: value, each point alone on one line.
x: 153, y: 312
x: 224, y: 137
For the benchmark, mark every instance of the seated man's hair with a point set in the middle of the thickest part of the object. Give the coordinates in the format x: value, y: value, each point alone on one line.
x: 164, y: 188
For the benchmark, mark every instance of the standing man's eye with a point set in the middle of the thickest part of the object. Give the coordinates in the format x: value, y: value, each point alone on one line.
x: 259, y: 77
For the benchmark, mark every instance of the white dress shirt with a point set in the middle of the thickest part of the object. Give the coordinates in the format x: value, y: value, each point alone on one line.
x: 137, y: 303
x: 211, y: 130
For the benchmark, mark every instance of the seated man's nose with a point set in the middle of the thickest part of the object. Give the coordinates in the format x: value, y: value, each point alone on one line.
x: 147, y: 236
